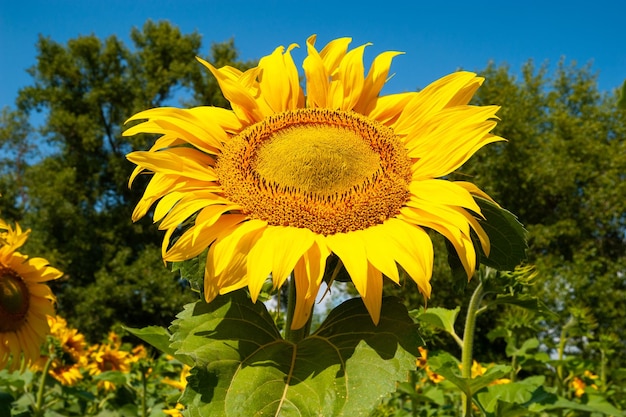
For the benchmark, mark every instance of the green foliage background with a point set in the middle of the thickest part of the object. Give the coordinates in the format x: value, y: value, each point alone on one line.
x: 561, y: 172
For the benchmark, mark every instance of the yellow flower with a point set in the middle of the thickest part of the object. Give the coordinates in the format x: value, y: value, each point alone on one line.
x: 24, y: 300
x: 182, y: 380
x: 176, y: 411
x: 71, y: 341
x: 180, y: 385
x: 13, y: 238
x: 70, y: 353
x: 578, y: 385
x: 284, y: 180
x: 139, y: 352
x: 500, y: 381
x: 421, y: 362
x: 108, y: 357
x: 66, y: 374
x: 477, y: 369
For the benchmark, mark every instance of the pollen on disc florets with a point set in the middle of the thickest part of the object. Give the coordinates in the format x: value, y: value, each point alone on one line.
x: 14, y: 300
x: 326, y: 170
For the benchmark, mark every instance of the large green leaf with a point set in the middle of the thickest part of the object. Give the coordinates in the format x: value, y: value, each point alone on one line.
x: 506, y: 234
x: 244, y: 367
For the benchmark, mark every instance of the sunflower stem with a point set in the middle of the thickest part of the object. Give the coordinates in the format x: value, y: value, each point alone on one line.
x: 144, y: 393
x: 42, y: 385
x: 468, y: 343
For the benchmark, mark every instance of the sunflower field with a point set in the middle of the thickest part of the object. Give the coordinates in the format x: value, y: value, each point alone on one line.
x: 194, y: 235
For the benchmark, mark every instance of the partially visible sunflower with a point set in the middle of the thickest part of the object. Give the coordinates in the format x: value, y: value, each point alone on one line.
x: 71, y: 340
x: 422, y: 363
x: 108, y: 357
x: 24, y: 300
x: 284, y: 180
x: 177, y: 411
x: 179, y: 384
x: 69, y: 349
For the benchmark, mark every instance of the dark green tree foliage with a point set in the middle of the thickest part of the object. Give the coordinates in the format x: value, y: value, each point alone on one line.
x: 75, y: 196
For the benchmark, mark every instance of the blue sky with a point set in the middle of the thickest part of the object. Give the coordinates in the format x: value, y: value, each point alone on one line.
x: 437, y: 37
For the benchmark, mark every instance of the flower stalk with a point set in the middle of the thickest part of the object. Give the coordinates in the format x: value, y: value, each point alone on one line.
x: 42, y: 384
x: 468, y: 343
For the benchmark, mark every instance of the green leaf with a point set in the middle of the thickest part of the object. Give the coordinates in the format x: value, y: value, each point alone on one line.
x: 244, y: 367
x: 506, y: 234
x: 525, y: 301
x: 116, y: 377
x: 441, y: 318
x: 159, y: 338
x: 5, y: 404
x: 530, y: 344
x: 496, y: 372
x: 192, y: 270
x: 500, y: 397
x: 447, y: 366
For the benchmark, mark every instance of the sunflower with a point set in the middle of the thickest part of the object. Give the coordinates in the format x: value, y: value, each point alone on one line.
x: 72, y: 342
x: 24, y: 300
x: 108, y: 357
x: 283, y: 180
x: 70, y: 353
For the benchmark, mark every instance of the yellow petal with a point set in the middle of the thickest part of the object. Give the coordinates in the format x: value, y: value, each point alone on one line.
x: 460, y: 240
x: 443, y: 192
x: 317, y: 78
x: 279, y: 81
x: 434, y: 98
x: 191, y: 244
x: 243, y: 103
x: 378, y: 254
x: 347, y: 83
x: 308, y: 274
x: 376, y: 78
x: 387, y: 109
x: 374, y: 297
x: 333, y: 53
x: 351, y: 250
x: 411, y: 247
x: 238, y: 239
x: 474, y: 190
x: 276, y: 251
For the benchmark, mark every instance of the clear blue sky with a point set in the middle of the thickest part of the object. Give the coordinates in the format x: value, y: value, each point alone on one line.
x: 437, y: 36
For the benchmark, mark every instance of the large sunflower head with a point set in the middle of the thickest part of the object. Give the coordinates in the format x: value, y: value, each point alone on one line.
x: 285, y: 179
x: 24, y: 300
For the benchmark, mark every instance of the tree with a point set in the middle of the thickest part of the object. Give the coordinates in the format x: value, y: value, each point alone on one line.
x: 562, y: 172
x: 75, y: 197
